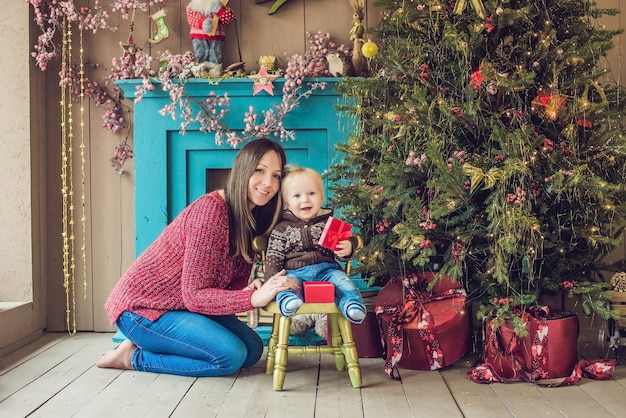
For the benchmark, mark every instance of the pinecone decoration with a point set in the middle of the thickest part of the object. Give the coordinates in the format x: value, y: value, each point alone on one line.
x: 618, y: 281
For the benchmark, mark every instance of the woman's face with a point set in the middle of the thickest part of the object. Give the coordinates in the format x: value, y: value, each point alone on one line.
x: 265, y: 180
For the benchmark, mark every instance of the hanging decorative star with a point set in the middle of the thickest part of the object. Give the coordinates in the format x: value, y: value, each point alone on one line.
x: 263, y: 81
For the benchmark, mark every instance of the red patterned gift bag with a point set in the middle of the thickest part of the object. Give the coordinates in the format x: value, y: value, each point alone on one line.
x: 547, y: 355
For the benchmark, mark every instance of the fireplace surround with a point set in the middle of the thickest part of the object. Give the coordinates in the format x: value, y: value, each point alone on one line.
x: 172, y: 169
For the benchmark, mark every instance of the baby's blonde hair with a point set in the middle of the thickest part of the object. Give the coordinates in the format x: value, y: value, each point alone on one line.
x: 292, y: 172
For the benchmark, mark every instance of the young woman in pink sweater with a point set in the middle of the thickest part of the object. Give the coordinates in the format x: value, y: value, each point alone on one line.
x: 176, y: 303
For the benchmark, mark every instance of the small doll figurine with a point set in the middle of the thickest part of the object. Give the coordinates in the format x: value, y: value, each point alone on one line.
x: 207, y: 29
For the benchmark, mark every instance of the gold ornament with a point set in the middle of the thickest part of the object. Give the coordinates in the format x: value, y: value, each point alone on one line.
x: 369, y: 49
x: 477, y: 176
x: 477, y: 5
x: 551, y: 103
x: 268, y: 61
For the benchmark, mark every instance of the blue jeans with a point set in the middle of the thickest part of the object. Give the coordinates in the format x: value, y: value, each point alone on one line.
x: 191, y: 344
x: 346, y: 292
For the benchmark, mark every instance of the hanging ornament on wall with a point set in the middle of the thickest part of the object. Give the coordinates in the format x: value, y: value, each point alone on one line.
x: 369, y: 49
x: 162, y: 31
x: 130, y: 47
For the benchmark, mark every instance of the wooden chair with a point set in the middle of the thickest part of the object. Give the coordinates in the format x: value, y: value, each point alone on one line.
x: 342, y: 342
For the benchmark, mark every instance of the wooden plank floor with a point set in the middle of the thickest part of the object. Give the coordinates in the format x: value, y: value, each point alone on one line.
x: 55, y: 376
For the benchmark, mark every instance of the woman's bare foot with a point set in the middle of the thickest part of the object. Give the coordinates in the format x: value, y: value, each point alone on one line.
x: 118, y: 358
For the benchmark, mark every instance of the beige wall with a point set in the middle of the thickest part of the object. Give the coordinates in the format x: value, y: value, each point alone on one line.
x: 615, y: 61
x: 30, y: 249
x: 15, y: 206
x: 22, y: 310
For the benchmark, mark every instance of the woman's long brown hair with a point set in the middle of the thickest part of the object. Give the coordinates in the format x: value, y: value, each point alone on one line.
x: 245, y: 224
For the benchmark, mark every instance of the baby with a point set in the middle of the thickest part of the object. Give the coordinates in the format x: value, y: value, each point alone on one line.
x: 293, y: 245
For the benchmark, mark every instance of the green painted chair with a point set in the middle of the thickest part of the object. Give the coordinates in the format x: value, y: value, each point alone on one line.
x: 341, y: 341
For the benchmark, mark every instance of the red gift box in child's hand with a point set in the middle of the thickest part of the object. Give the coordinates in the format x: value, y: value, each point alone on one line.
x: 334, y: 231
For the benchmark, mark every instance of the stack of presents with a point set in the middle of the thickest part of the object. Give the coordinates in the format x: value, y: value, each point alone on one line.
x: 435, y: 334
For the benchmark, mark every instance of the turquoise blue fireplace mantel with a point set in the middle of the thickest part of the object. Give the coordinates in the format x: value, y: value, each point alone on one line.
x: 172, y: 170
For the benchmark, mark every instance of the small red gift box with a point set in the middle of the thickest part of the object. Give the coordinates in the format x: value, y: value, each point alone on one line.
x: 334, y: 231
x: 319, y: 292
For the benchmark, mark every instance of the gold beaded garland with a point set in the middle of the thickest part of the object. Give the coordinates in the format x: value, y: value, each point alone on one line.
x: 67, y: 175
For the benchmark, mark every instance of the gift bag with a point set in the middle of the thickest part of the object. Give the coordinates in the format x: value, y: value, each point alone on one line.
x: 547, y: 355
x: 421, y: 329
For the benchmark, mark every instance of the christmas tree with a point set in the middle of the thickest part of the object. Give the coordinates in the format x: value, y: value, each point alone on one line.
x: 491, y: 149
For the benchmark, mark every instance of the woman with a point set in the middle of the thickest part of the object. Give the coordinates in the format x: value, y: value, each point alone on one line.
x: 177, y: 302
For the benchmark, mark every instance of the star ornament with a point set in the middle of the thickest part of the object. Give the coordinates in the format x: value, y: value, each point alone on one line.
x: 263, y: 81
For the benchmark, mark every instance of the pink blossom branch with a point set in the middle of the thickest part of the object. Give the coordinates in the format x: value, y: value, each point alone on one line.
x: 52, y: 15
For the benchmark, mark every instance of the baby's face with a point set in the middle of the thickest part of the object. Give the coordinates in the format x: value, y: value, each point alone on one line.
x: 303, y: 197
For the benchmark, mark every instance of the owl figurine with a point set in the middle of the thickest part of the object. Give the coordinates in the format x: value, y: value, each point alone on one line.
x: 338, y: 65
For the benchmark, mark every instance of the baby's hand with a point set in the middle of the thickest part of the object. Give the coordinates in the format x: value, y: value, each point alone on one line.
x: 344, y: 249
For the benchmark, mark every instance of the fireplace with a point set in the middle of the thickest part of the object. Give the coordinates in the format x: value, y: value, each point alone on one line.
x: 172, y: 170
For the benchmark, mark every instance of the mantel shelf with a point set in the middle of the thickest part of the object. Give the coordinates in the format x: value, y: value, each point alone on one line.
x: 240, y: 87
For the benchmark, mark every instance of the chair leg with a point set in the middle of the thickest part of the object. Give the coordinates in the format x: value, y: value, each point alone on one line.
x: 282, y: 352
x: 350, y: 352
x: 271, y: 345
x: 337, y: 341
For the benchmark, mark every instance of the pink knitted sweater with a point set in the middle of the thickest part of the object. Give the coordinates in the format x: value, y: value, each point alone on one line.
x: 186, y: 268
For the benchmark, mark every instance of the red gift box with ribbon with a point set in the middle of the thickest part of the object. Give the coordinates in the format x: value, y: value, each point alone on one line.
x: 334, y: 231
x: 422, y: 330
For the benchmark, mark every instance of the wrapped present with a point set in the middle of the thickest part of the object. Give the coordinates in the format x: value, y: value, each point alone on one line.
x: 421, y: 329
x: 319, y: 292
x: 550, y: 349
x: 334, y: 231
x: 546, y: 356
